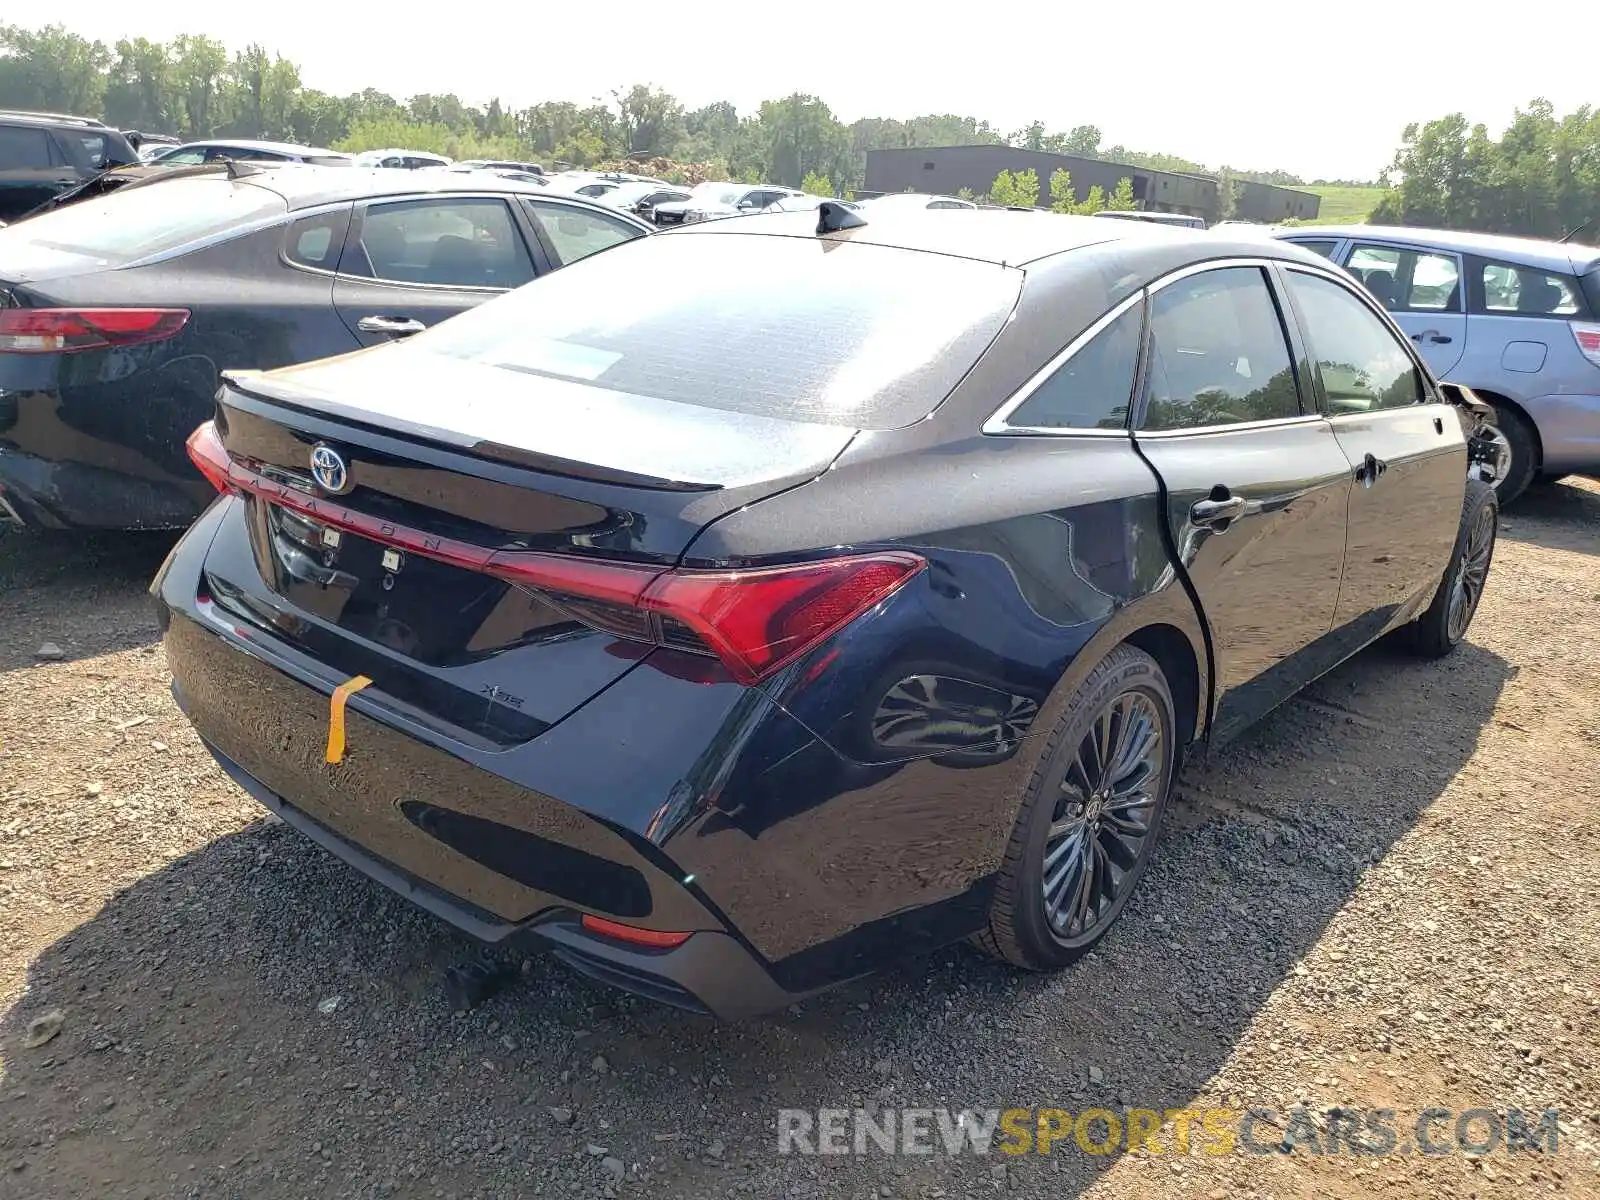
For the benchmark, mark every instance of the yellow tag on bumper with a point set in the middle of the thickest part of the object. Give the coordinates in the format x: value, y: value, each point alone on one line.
x: 336, y: 704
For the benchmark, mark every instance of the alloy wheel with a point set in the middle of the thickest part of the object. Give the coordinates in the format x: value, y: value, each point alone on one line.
x: 1108, y: 803
x: 1472, y: 572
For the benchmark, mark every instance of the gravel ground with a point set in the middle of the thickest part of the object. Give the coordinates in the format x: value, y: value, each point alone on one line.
x: 1384, y: 896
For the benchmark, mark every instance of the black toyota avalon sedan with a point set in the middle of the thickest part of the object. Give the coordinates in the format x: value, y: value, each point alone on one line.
x: 748, y: 605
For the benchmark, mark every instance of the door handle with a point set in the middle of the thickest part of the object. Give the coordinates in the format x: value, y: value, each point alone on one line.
x: 1370, y: 470
x: 395, y: 327
x: 1433, y: 335
x: 1218, y: 513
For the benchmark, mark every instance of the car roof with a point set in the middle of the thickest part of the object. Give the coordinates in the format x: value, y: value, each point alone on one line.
x: 27, y: 117
x: 395, y: 150
x: 303, y: 186
x: 1530, y: 252
x: 923, y: 197
x: 1004, y: 236
x: 258, y: 144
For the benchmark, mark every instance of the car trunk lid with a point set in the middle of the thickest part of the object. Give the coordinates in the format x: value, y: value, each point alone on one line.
x: 391, y: 573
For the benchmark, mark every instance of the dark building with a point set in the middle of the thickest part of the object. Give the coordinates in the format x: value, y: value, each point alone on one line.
x: 1269, y: 203
x: 946, y: 170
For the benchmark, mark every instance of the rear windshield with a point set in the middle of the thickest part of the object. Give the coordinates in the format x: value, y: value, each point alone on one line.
x: 127, y: 225
x: 800, y: 329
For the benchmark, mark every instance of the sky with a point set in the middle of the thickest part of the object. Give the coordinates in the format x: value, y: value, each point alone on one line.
x: 1321, y: 91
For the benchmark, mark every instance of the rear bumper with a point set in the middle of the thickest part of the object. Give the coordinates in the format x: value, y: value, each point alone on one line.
x: 64, y: 495
x: 665, y: 802
x: 711, y: 973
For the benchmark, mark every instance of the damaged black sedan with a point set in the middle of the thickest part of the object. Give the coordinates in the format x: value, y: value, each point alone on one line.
x: 750, y: 605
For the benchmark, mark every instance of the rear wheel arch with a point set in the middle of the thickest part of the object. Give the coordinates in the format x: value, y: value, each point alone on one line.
x: 1179, y: 662
x: 1165, y: 625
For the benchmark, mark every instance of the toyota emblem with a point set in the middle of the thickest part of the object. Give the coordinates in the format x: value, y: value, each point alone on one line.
x: 329, y: 470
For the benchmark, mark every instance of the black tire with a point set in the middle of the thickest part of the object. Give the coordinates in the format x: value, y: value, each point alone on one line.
x: 1524, y: 446
x: 1021, y: 929
x: 1437, y: 632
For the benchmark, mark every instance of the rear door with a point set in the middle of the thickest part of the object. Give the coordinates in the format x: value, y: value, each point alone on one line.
x: 1256, y: 484
x: 32, y: 169
x: 411, y: 263
x: 1423, y: 290
x: 568, y: 232
x: 1405, y: 447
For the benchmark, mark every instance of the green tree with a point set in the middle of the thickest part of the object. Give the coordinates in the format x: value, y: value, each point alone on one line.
x: 816, y: 185
x: 199, y: 77
x: 264, y: 89
x: 801, y: 136
x: 1227, y: 196
x: 1094, y: 202
x: 52, y: 68
x: 1030, y: 138
x: 650, y: 121
x: 1019, y: 190
x: 139, y: 92
x: 1121, y: 199
x: 319, y: 119
x: 1083, y: 141
x: 1063, y: 197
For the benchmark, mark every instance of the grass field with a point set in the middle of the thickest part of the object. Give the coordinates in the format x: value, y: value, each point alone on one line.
x: 1346, y: 205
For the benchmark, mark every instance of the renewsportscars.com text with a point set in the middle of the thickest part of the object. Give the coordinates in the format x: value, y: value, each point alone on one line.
x: 1216, y: 1131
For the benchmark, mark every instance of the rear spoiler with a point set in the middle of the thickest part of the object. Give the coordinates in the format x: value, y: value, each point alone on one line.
x: 254, y: 385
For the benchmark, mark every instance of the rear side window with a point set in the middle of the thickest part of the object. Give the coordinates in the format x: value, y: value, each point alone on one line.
x: 94, y: 149
x: 1218, y: 353
x: 136, y: 223
x: 1322, y: 246
x: 1363, y: 364
x: 316, y: 241
x: 1510, y: 290
x: 835, y: 333
x: 1092, y: 389
x: 465, y: 242
x: 1408, y: 280
x: 575, y: 233
x: 23, y: 147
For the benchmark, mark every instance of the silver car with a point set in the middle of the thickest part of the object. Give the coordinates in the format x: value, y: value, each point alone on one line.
x: 1523, y: 332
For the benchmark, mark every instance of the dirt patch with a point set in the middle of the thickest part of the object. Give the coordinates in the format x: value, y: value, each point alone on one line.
x: 1384, y: 896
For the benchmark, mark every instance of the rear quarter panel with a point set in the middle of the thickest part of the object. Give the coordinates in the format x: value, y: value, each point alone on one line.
x: 1043, y: 554
x: 1535, y: 361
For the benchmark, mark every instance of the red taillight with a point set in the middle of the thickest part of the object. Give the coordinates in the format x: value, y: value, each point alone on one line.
x: 68, y: 330
x: 759, y: 621
x: 1588, y: 340
x: 654, y: 938
x: 756, y: 622
x: 210, y: 456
